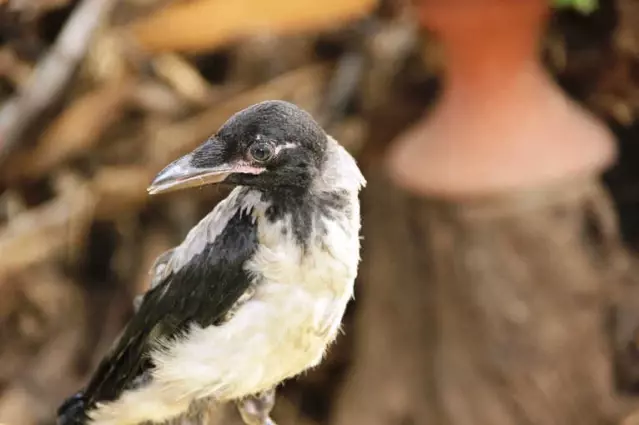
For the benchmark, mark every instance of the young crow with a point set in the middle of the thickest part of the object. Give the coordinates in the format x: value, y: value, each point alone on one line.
x: 256, y: 291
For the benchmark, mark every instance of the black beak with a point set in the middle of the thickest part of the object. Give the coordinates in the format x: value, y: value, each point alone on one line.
x: 180, y: 174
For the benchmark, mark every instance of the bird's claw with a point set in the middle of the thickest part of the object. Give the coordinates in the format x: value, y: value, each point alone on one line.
x: 256, y: 409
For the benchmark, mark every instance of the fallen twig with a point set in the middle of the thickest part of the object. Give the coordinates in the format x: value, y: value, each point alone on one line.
x: 75, y: 131
x: 39, y: 233
x: 52, y: 74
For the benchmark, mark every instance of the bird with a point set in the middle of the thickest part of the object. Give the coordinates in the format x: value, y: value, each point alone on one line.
x: 255, y: 293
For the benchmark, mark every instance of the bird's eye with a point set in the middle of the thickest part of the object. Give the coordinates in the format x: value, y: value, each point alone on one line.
x: 261, y: 152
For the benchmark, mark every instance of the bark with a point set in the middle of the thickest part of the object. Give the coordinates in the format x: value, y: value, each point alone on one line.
x: 488, y: 312
x: 391, y: 378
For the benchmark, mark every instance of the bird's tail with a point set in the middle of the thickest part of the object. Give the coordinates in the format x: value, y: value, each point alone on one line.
x: 73, y: 411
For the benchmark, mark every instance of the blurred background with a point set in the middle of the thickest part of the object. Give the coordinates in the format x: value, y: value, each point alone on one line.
x: 98, y: 95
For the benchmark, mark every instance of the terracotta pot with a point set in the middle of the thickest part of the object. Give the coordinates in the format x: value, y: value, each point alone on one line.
x: 502, y: 123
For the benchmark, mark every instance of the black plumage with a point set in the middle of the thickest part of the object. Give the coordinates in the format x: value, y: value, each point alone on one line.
x: 202, y: 291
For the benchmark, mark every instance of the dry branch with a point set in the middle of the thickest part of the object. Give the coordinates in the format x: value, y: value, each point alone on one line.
x: 191, y: 29
x: 48, y: 312
x: 52, y: 74
x: 51, y: 229
x: 120, y: 189
x: 74, y: 132
x: 183, y: 77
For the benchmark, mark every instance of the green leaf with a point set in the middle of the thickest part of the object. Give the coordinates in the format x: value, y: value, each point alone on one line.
x: 583, y: 6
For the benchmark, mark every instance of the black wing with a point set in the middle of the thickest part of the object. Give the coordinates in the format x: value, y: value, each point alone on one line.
x: 202, y: 291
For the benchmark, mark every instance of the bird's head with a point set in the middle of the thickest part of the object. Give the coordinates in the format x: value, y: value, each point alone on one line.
x: 269, y: 145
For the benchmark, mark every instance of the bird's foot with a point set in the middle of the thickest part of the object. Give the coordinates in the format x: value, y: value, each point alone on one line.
x: 256, y: 409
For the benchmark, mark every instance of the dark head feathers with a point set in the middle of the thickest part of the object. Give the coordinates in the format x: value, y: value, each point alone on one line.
x: 276, y: 120
x: 297, y: 142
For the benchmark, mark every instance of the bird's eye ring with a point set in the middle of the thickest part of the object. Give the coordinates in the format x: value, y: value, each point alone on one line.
x: 260, y: 152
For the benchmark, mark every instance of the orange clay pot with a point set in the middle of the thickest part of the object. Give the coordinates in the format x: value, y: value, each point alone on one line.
x: 501, y: 124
